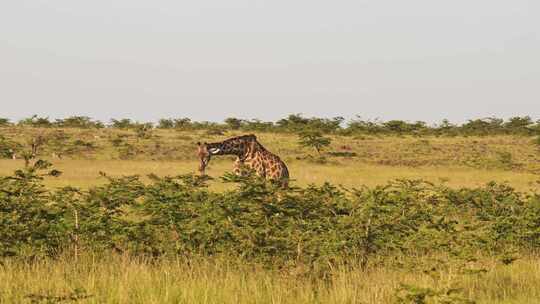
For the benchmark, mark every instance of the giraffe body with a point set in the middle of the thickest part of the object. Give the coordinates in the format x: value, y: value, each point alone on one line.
x: 251, y: 155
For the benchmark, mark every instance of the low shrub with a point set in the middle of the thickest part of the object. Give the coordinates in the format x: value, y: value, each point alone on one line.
x: 257, y: 221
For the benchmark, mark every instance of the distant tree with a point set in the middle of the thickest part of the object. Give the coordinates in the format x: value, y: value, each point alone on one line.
x: 359, y: 125
x: 83, y: 122
x: 536, y: 128
x: 446, y: 125
x: 397, y: 126
x: 297, y: 123
x: 314, y: 139
x: 519, y: 125
x: 297, y: 119
x: 294, y: 122
x: 183, y: 123
x: 484, y: 126
x: 325, y: 125
x: 165, y: 124
x: 124, y: 123
x: 233, y: 123
x: 36, y: 121
x: 4, y: 122
x: 258, y: 125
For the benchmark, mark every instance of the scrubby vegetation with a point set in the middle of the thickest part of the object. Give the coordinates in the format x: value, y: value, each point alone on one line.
x: 296, y: 123
x: 503, y: 152
x: 311, y: 226
x: 307, y: 232
x: 386, y: 212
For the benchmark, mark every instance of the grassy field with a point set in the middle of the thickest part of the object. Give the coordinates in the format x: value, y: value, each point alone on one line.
x: 455, y: 161
x: 458, y: 161
x: 85, y: 173
x: 119, y: 279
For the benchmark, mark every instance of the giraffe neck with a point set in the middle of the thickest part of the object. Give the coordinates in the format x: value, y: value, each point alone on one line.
x: 250, y: 149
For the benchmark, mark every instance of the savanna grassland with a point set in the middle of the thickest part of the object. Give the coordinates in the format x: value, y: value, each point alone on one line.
x: 373, y: 218
x: 364, y: 160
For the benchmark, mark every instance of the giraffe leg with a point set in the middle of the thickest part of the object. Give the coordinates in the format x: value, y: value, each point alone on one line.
x: 260, y: 170
x: 237, y: 167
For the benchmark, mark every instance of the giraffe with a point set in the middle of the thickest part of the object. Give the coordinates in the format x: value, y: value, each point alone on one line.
x: 250, y: 154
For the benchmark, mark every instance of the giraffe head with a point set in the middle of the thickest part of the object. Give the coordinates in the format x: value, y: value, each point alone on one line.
x: 233, y: 146
x: 203, y: 155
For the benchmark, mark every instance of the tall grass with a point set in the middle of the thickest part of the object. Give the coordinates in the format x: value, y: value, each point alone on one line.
x: 85, y: 173
x: 121, y: 279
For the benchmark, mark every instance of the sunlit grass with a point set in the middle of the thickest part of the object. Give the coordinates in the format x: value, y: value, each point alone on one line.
x: 458, y: 161
x: 119, y: 279
x: 85, y: 173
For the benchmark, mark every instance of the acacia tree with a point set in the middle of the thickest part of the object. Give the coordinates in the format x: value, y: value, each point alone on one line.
x: 233, y: 123
x: 314, y: 139
x: 165, y: 123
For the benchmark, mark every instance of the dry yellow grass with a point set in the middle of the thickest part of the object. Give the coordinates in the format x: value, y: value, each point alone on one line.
x: 118, y: 279
x: 85, y: 173
x: 461, y: 161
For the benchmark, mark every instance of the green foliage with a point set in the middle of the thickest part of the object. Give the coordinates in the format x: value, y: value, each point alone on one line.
x: 233, y: 123
x: 483, y: 126
x: 296, y: 123
x: 31, y: 223
x: 82, y: 122
x: 8, y: 147
x: 124, y: 123
x: 127, y: 123
x: 36, y: 121
x: 182, y: 123
x: 314, y: 139
x: 165, y: 123
x: 314, y: 226
x: 4, y: 122
x: 401, y: 127
x: 520, y: 125
x: 179, y: 123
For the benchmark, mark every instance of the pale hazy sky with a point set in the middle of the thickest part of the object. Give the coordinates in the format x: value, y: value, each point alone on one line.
x: 211, y: 59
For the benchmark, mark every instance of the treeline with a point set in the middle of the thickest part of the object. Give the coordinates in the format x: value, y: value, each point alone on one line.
x: 296, y: 123
x: 314, y: 226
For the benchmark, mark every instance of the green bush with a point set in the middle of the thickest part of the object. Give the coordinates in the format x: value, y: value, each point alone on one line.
x: 36, y: 121
x: 314, y: 226
x: 4, y: 122
x: 31, y: 223
x: 296, y: 123
x: 313, y: 139
x: 8, y: 147
x: 82, y: 122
